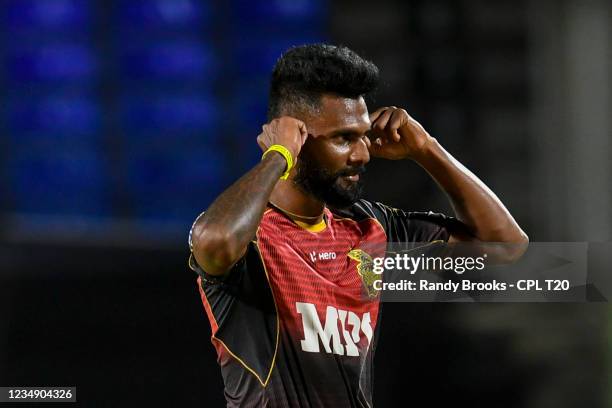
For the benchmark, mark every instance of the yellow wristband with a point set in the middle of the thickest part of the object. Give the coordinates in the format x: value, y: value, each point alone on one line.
x: 286, y: 154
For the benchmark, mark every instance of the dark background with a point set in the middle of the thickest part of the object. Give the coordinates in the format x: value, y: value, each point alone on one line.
x: 122, y: 120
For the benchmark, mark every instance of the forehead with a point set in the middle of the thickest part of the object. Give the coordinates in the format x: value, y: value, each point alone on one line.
x: 337, y: 112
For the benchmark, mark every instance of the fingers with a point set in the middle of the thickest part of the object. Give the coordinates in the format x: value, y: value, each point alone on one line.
x: 388, y: 121
x: 263, y: 140
x: 380, y: 123
x: 286, y: 131
x: 302, y: 127
x: 303, y: 130
x: 375, y: 146
x: 261, y: 143
x: 398, y: 118
x: 374, y: 115
x: 262, y: 146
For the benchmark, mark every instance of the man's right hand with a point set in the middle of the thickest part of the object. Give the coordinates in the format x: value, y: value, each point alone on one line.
x: 222, y: 235
x: 286, y: 131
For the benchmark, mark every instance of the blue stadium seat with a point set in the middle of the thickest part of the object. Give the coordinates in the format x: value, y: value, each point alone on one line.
x: 69, y: 182
x: 168, y: 116
x: 57, y: 62
x: 288, y: 13
x: 163, y: 14
x: 56, y: 15
x: 74, y: 120
x: 173, y: 89
x: 175, y: 186
x: 256, y: 56
x: 188, y: 60
x: 251, y: 100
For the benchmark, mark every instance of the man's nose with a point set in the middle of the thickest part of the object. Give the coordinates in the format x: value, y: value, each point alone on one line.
x: 360, y: 154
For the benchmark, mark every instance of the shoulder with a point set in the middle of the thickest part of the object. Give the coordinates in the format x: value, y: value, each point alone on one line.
x: 360, y: 210
x: 400, y: 225
x: 364, y: 209
x: 382, y: 212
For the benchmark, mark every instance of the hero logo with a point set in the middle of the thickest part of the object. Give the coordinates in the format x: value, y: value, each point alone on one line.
x: 322, y: 256
x: 330, y: 335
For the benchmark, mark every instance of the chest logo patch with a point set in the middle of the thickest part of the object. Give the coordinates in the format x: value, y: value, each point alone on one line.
x: 365, y: 269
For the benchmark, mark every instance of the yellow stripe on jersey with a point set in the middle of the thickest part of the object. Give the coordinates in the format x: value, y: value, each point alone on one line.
x: 318, y: 227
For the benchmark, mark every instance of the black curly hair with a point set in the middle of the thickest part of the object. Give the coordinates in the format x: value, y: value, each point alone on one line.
x: 302, y: 74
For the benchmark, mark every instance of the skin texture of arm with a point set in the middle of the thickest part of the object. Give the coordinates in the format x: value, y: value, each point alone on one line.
x: 396, y: 135
x: 221, y: 236
x: 475, y: 205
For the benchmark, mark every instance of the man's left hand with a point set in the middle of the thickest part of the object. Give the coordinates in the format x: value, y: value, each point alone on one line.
x: 396, y: 135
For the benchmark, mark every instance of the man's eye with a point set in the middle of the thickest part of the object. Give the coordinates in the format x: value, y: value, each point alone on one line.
x: 348, y: 138
x: 343, y: 138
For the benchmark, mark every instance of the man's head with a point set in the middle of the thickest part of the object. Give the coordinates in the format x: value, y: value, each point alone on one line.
x: 324, y: 86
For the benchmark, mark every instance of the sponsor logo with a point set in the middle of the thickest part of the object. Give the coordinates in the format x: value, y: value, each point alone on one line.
x: 339, y: 334
x: 321, y: 256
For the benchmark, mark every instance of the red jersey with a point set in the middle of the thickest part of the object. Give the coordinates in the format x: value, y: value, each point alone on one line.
x: 295, y: 321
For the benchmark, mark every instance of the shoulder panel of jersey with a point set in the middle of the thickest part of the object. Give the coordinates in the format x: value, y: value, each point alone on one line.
x: 400, y: 225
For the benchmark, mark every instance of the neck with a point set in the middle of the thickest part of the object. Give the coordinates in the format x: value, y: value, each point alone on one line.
x: 300, y: 205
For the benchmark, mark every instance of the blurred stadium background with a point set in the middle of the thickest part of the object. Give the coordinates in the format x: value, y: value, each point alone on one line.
x: 121, y: 120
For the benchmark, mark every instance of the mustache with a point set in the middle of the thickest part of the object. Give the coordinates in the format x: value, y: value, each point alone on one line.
x: 351, y: 171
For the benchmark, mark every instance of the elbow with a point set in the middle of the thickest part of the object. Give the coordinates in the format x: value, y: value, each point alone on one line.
x: 524, y: 238
x: 214, y: 250
x: 505, y: 248
x: 515, y: 247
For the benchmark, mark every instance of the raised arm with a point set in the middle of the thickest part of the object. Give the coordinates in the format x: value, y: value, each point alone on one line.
x: 485, y: 218
x: 220, y: 237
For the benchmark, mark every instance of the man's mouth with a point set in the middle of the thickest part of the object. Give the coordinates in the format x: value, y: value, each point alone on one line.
x: 353, y: 175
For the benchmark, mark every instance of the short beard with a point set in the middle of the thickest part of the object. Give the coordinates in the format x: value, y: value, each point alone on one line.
x: 325, y: 186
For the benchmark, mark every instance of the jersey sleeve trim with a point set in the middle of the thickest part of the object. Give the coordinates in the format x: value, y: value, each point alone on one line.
x: 215, y: 327
x: 231, y: 353
x: 277, y: 318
